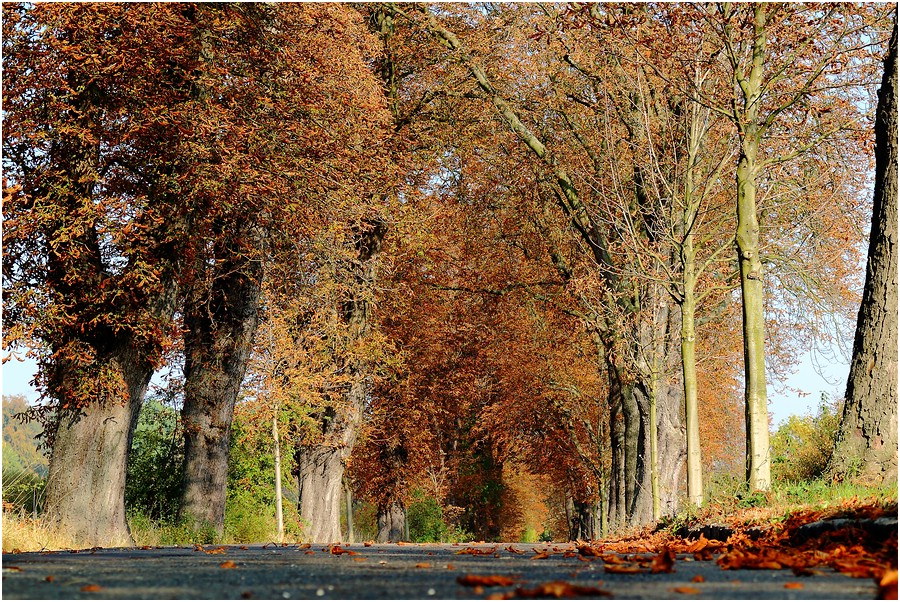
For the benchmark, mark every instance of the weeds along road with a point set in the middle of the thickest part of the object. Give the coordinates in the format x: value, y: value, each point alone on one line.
x: 391, y: 571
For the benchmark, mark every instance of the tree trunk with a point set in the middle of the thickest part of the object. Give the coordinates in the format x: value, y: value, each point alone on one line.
x: 867, y: 439
x: 320, y: 472
x: 86, y: 484
x: 617, y: 478
x: 689, y: 376
x: 319, y: 465
x: 279, y: 511
x: 391, y: 523
x: 351, y: 535
x: 220, y: 322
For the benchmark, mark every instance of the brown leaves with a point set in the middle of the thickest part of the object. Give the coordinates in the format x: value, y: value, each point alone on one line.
x: 560, y: 589
x: 228, y: 564
x: 622, y: 569
x: 887, y: 585
x: 477, y: 551
x: 686, y: 590
x: 423, y: 565
x: 91, y: 588
x: 664, y: 562
x: 485, y: 580
x: 338, y: 550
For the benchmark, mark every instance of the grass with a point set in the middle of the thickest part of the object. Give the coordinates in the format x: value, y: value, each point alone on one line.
x: 22, y: 533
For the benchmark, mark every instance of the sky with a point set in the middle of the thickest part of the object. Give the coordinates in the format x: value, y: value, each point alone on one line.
x: 806, y: 380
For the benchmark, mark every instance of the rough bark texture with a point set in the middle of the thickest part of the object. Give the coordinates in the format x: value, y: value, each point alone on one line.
x: 220, y: 322
x: 86, y: 483
x: 391, y: 523
x: 320, y: 468
x: 867, y: 439
x: 320, y: 471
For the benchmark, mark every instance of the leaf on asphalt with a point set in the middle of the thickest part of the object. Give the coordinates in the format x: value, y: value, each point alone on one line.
x: 49, y: 578
x: 304, y: 546
x: 477, y: 551
x: 587, y: 550
x: 622, y: 568
x: 887, y: 586
x: 338, y: 550
x: 146, y: 547
x: 368, y: 544
x: 560, y: 589
x: 216, y: 551
x: 449, y: 567
x: 199, y: 548
x: 308, y: 552
x: 664, y: 562
x: 228, y: 565
x: 485, y: 580
x: 793, y: 585
x: 698, y: 579
x: 687, y: 590
x: 613, y: 559
x: 359, y: 559
x: 423, y: 565
x: 540, y: 556
x: 91, y: 588
x: 513, y: 550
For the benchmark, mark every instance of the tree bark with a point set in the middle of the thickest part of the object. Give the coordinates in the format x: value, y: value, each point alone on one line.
x: 751, y: 268
x: 86, y: 482
x: 320, y: 467
x: 391, y: 523
x: 866, y: 443
x: 220, y: 322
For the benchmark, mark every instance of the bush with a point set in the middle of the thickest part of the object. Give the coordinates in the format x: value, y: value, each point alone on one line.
x: 802, y: 446
x: 426, y: 519
x: 154, y: 473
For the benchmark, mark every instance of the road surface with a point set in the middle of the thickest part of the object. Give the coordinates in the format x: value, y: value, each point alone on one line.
x: 389, y: 571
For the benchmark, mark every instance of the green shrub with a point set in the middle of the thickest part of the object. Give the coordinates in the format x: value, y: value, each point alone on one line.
x: 426, y: 519
x: 802, y: 446
x: 154, y: 473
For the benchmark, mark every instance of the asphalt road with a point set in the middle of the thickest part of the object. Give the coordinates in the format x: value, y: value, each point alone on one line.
x: 387, y: 571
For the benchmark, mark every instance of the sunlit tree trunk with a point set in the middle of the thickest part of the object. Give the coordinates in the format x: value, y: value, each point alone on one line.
x: 220, y: 321
x: 867, y: 439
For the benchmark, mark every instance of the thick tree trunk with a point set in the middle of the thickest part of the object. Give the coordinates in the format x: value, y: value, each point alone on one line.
x: 391, y: 523
x: 85, y: 492
x: 867, y: 439
x: 319, y: 465
x: 320, y: 473
x: 219, y: 326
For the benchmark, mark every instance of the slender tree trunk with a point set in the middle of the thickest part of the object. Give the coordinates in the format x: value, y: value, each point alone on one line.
x: 689, y: 375
x: 279, y: 511
x: 351, y: 535
x: 391, y: 523
x: 867, y: 438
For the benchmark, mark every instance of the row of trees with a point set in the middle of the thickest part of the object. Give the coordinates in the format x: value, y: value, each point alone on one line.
x: 423, y: 243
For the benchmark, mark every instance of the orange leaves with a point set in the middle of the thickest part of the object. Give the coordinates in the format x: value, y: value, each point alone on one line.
x: 664, y: 562
x: 476, y: 551
x: 423, y: 565
x: 338, y: 550
x: 622, y: 569
x: 887, y: 585
x: 228, y: 564
x: 91, y: 588
x: 686, y: 590
x: 484, y: 580
x: 559, y: 590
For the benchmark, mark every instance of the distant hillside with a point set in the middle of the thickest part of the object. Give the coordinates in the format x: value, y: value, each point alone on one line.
x: 20, y: 452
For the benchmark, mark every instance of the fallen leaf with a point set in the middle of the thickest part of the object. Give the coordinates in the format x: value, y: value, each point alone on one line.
x: 698, y: 579
x: 228, y: 565
x: 887, y: 586
x: 476, y: 551
x: 793, y: 585
x: 513, y: 550
x: 244, y: 548
x: 216, y: 551
x: 589, y: 551
x: 664, y: 562
x: 621, y: 568
x: 359, y: 559
x: 49, y: 578
x: 304, y: 546
x: 500, y: 596
x: 91, y: 588
x: 560, y: 589
x: 687, y: 590
x: 338, y: 550
x: 540, y: 556
x: 246, y: 595
x: 449, y: 567
x: 485, y: 580
x: 308, y: 552
x: 423, y: 565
